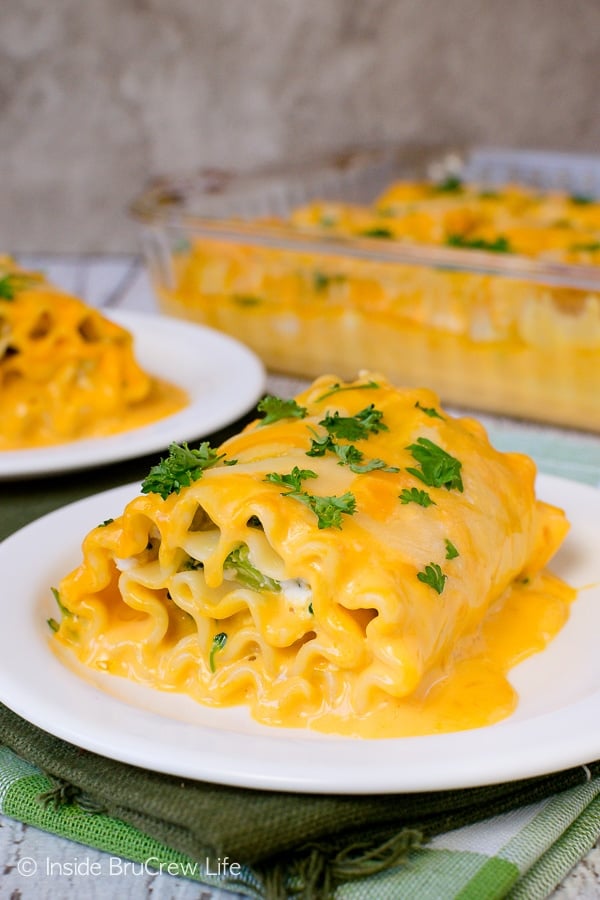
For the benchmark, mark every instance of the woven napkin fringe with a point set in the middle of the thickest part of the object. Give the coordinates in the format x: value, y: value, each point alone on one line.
x: 63, y: 793
x: 313, y: 873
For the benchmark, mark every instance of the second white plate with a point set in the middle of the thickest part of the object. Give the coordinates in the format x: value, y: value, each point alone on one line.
x: 223, y: 378
x: 555, y: 725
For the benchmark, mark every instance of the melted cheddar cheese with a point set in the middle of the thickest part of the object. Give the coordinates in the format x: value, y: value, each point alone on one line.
x: 67, y: 372
x: 364, y: 564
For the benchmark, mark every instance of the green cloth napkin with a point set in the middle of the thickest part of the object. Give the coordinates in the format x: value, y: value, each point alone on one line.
x: 509, y: 840
x: 306, y: 845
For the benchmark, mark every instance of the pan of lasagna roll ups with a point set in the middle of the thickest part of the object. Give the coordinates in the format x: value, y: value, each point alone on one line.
x: 356, y: 561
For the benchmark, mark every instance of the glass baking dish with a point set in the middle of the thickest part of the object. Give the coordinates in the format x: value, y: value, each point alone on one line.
x: 253, y: 254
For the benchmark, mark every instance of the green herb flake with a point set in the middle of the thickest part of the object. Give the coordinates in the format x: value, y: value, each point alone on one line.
x: 414, y: 495
x: 348, y: 455
x: 452, y: 184
x: 499, y: 245
x: 59, y: 603
x: 277, y: 408
x: 53, y: 625
x: 438, y: 468
x: 586, y: 248
x: 11, y: 284
x: 329, y: 510
x: 451, y: 551
x: 323, y: 280
x: 179, y: 469
x: 320, y: 445
x: 105, y: 523
x: 338, y: 388
x: 310, y: 609
x: 429, y: 411
x: 353, y: 428
x: 293, y: 480
x: 377, y: 231
x: 371, y: 465
x: 218, y: 643
x: 246, y: 300
x: 433, y: 576
x: 238, y: 561
x: 581, y: 199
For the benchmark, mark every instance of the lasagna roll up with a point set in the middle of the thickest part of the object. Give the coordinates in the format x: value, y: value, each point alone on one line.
x: 66, y: 371
x: 332, y: 565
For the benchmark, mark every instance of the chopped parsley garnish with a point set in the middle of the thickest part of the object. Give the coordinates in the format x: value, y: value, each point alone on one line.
x: 322, y: 280
x: 328, y: 510
x: 105, y: 523
x: 348, y: 455
x: 359, y: 468
x: 429, y: 411
x: 337, y: 388
x: 192, y: 565
x: 452, y: 184
x: 276, y: 408
x: 593, y: 245
x: 59, y: 603
x: 438, y: 468
x: 352, y: 457
x: 377, y: 232
x: 218, y: 643
x: 293, y: 480
x: 322, y: 444
x: 433, y: 576
x: 246, y: 300
x: 354, y: 428
x: 247, y: 574
x: 310, y: 608
x: 499, y: 245
x: 451, y: 551
x: 414, y: 495
x: 581, y: 199
x: 179, y: 469
x: 11, y: 284
x: 52, y: 623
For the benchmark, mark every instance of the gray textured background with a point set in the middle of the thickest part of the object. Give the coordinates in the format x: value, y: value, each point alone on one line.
x: 96, y: 96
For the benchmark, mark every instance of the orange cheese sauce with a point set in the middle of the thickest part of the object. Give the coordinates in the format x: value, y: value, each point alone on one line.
x: 163, y: 399
x: 474, y: 689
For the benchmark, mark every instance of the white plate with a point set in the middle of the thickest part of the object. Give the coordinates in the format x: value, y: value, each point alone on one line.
x: 222, y: 377
x: 555, y: 725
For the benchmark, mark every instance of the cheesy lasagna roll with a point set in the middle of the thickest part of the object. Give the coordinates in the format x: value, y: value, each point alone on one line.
x: 66, y: 371
x: 356, y: 560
